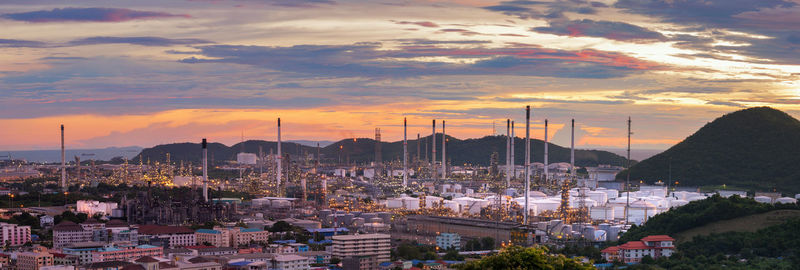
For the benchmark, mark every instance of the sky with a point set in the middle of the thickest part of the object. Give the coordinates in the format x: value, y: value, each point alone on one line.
x: 148, y: 72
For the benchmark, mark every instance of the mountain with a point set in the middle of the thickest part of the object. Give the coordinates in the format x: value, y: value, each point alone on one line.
x: 755, y: 149
x: 362, y: 150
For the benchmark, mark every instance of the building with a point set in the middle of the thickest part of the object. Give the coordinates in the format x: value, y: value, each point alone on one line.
x: 83, y: 251
x: 14, y: 235
x: 95, y: 207
x: 169, y: 236
x: 46, y: 221
x: 218, y: 238
x: 67, y: 232
x: 448, y: 240
x: 108, y: 254
x: 231, y: 237
x: 372, y: 248
x: 145, y: 209
x: 655, y: 246
x: 290, y: 262
x: 33, y: 260
x: 317, y: 257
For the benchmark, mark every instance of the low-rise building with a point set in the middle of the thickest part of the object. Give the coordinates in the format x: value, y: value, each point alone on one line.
x: 126, y: 253
x: 448, y: 240
x: 33, y: 260
x: 218, y: 238
x: 170, y: 236
x: 655, y: 246
x: 290, y: 262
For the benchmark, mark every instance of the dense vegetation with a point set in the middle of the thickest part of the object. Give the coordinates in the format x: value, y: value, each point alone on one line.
x: 699, y: 213
x: 515, y: 257
x: 775, y: 247
x: 755, y: 148
x: 362, y: 150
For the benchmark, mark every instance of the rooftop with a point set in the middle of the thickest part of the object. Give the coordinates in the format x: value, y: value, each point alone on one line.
x: 210, y: 231
x: 656, y: 238
x: 158, y: 229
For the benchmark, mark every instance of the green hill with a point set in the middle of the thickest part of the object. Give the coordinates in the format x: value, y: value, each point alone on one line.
x: 362, y: 150
x: 755, y: 149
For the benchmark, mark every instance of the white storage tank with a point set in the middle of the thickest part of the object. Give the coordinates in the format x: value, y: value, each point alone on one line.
x: 455, y: 206
x: 602, y: 213
x: 612, y: 193
x: 598, y: 196
x: 640, y: 211
x: 786, y: 200
x: 600, y: 236
x: 546, y: 205
x: 763, y: 199
x: 432, y: 201
x: 575, y: 202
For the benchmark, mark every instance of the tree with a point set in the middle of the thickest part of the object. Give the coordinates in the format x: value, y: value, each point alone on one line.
x: 335, y: 260
x: 281, y: 226
x: 487, y: 243
x: 515, y: 257
x: 452, y: 255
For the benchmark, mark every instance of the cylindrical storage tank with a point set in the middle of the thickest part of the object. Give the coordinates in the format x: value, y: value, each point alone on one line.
x: 696, y: 198
x: 640, y: 211
x: 368, y: 216
x: 678, y: 203
x: 324, y: 213
x: 348, y: 218
x: 613, y: 233
x: 375, y: 220
x: 358, y: 222
x: 600, y: 236
x: 602, y: 213
x: 612, y: 193
x: 786, y: 200
x: 603, y: 226
x: 797, y: 196
x: 386, y: 216
x: 763, y: 199
x: 546, y: 205
x: 356, y: 213
x: 446, y: 188
x: 588, y: 232
x: 575, y: 203
x: 598, y: 196
x: 455, y: 206
x: 456, y: 188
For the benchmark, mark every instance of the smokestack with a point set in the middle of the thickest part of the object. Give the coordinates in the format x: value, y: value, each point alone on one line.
x: 546, y: 159
x: 205, y: 170
x: 513, y: 158
x: 418, y: 147
x: 63, y: 162
x: 444, y: 151
x: 405, y: 153
x: 280, y: 166
x: 508, y: 153
x: 572, y: 151
x: 527, y: 160
x: 433, y: 155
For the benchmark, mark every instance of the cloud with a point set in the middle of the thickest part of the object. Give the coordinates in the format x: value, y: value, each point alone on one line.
x: 370, y: 60
x: 88, y: 15
x: 606, y: 29
x: 724, y: 103
x: 16, y: 43
x: 687, y: 90
x: 573, y: 101
x: 420, y: 23
x: 144, y: 41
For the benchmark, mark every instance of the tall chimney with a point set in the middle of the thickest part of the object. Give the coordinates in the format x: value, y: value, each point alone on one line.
x: 546, y: 159
x: 508, y: 153
x: 205, y: 170
x: 572, y: 151
x: 444, y: 151
x: 513, y: 157
x: 418, y: 148
x: 527, y: 160
x: 405, y: 153
x: 63, y: 162
x: 279, y: 158
x: 433, y: 155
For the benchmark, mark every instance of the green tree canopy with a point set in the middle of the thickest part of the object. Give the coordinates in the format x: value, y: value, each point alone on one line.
x: 515, y: 257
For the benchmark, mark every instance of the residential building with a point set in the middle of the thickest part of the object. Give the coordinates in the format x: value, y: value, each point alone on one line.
x: 655, y: 246
x: 113, y: 265
x: 375, y: 246
x: 317, y: 257
x: 218, y: 238
x: 33, y: 260
x: 216, y: 251
x: 245, y: 236
x: 83, y: 251
x: 290, y: 262
x: 446, y: 241
x: 14, y: 235
x: 67, y: 232
x: 170, y: 236
x: 126, y: 253
x: 58, y: 267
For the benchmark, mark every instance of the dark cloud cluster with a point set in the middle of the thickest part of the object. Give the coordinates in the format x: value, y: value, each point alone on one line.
x: 143, y: 41
x: 370, y: 60
x: 87, y: 15
x: 611, y: 30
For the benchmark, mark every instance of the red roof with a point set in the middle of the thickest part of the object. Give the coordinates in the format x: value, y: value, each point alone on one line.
x: 199, y: 247
x: 634, y: 245
x: 158, y: 229
x: 612, y: 250
x: 657, y: 238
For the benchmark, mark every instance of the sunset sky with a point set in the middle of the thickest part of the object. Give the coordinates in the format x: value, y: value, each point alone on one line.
x: 147, y: 72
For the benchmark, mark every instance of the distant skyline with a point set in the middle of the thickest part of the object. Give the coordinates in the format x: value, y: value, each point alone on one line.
x: 154, y: 72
